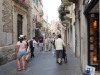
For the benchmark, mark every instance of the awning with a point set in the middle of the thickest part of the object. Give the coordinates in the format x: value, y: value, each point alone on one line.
x: 88, y: 7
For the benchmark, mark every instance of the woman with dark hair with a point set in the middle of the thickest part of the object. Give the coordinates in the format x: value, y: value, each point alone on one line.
x: 21, y: 47
x: 59, y: 43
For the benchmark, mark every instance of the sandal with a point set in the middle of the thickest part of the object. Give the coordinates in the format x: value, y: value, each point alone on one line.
x: 24, y: 69
x: 19, y: 69
x: 27, y: 61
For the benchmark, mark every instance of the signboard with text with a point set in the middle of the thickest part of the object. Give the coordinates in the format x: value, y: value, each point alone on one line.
x: 92, y: 69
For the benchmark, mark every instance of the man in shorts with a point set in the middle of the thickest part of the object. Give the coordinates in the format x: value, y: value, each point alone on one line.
x: 59, y: 44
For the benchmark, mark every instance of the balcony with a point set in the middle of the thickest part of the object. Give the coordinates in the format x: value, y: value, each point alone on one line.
x: 68, y: 18
x: 23, y: 3
x: 67, y: 11
x: 65, y: 23
x: 74, y: 1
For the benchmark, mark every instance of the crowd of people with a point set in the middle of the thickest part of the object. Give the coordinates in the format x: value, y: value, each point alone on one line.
x: 25, y: 48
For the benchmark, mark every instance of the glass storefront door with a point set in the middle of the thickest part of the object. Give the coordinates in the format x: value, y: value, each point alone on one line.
x: 94, y: 40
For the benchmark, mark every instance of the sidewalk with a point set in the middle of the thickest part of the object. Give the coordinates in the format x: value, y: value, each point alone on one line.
x: 97, y: 73
x: 45, y: 64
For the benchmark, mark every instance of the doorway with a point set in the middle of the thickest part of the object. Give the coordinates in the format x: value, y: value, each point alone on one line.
x: 19, y: 25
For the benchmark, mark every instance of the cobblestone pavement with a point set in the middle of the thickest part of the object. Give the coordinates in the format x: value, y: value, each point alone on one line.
x: 44, y: 63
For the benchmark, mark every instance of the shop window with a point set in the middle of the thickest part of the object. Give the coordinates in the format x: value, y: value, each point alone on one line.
x: 94, y: 40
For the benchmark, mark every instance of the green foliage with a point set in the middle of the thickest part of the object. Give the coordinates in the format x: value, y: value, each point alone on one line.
x: 37, y: 32
x: 61, y: 9
x: 67, y: 3
x: 38, y: 25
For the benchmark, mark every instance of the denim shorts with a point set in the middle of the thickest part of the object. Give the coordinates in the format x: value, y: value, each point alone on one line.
x: 21, y: 53
x: 59, y: 53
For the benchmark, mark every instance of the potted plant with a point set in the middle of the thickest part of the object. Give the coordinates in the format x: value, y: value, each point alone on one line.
x: 38, y: 25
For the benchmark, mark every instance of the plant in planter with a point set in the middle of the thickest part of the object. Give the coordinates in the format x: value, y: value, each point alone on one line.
x: 62, y: 9
x: 38, y: 25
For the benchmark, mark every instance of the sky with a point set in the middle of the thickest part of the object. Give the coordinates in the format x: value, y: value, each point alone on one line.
x: 51, y: 7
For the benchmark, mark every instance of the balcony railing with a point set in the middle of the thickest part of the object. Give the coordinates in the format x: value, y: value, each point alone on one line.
x: 74, y: 1
x: 68, y: 18
x: 65, y: 23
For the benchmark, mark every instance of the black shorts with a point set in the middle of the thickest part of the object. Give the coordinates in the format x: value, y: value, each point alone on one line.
x: 59, y: 53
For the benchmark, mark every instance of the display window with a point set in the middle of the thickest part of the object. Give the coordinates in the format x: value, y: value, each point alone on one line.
x: 94, y: 40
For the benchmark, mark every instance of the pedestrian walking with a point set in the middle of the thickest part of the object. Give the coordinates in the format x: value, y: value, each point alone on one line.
x: 59, y: 44
x: 28, y: 51
x: 49, y: 44
x: 21, y: 47
x: 53, y: 46
x: 46, y: 43
x: 41, y: 42
x: 28, y: 48
x: 32, y: 46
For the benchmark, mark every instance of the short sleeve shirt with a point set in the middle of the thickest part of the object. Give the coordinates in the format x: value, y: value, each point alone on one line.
x: 59, y: 43
x: 22, y: 45
x: 34, y: 42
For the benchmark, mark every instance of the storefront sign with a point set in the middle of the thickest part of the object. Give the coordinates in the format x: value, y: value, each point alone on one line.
x: 91, y: 69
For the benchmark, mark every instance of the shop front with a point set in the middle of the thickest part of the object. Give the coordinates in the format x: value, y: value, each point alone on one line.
x: 92, y: 14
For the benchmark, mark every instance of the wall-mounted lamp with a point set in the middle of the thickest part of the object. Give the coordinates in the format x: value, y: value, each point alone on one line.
x: 94, y: 58
x: 95, y: 24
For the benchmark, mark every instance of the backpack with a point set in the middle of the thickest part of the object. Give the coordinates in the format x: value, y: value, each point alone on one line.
x: 31, y: 43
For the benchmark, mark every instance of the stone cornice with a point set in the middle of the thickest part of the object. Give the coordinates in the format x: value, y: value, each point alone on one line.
x: 24, y: 4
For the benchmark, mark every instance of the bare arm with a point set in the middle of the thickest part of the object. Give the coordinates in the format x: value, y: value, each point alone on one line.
x: 17, y: 48
x: 64, y: 44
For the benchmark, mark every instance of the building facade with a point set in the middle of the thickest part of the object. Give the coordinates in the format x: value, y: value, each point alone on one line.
x: 15, y: 20
x: 68, y: 22
x: 87, y: 32
x: 37, y: 15
x: 85, y: 29
x: 92, y: 10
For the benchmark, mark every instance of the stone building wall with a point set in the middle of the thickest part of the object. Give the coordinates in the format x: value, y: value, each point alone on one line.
x: 7, y: 53
x: 7, y: 50
x: 8, y: 28
x: 84, y: 40
x: 7, y: 16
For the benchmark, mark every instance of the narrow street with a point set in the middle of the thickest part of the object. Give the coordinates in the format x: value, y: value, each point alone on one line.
x: 44, y: 63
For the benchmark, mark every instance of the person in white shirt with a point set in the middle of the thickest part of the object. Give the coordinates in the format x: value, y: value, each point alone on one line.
x: 32, y: 46
x: 59, y: 44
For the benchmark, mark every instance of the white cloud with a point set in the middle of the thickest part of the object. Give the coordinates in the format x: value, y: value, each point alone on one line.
x: 51, y: 6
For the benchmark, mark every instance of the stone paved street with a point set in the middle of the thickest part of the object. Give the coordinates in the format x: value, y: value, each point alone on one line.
x: 44, y: 63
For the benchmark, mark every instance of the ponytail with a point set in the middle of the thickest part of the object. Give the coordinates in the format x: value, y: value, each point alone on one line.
x: 21, y: 39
